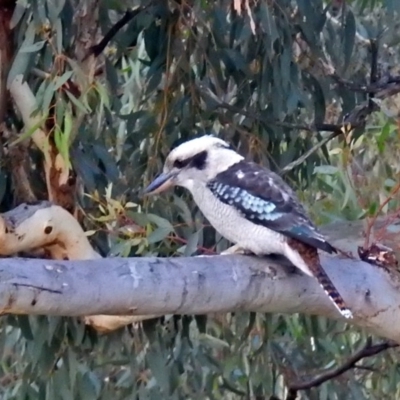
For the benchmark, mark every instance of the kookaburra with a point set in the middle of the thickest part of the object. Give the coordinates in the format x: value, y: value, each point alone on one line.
x: 249, y: 205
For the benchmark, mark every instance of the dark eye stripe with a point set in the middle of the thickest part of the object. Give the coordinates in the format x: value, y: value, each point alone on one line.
x: 197, y: 161
x: 182, y: 163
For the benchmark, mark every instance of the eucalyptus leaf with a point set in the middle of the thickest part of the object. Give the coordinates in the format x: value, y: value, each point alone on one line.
x: 325, y: 169
x: 32, y: 48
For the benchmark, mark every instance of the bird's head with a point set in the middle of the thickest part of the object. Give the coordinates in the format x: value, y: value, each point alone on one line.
x: 194, y: 162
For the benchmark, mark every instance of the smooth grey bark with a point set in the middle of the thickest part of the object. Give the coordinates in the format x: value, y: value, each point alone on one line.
x: 195, y: 285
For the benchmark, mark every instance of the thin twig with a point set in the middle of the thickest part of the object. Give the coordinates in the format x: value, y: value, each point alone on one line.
x: 206, y: 92
x: 309, y: 152
x: 374, y: 46
x: 97, y: 49
x: 368, y: 350
x: 355, y: 119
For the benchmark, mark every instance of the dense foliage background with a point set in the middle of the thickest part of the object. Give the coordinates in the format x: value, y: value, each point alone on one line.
x: 116, y: 84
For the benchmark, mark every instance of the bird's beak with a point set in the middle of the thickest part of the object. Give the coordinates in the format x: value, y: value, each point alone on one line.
x: 161, y: 183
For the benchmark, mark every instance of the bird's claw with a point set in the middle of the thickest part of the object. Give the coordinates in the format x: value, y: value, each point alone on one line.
x: 234, y: 250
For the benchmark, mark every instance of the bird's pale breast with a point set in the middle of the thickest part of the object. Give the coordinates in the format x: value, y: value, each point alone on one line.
x: 236, y: 228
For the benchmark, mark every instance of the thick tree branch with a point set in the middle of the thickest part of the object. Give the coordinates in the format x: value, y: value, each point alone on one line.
x: 45, y: 226
x: 146, y: 287
x: 52, y: 231
x: 196, y: 285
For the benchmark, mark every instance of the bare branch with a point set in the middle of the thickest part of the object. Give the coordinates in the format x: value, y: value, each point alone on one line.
x: 46, y: 226
x: 124, y: 289
x: 368, y: 350
x: 53, y: 230
x: 197, y: 285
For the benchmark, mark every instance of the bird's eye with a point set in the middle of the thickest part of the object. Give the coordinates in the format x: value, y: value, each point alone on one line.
x: 180, y: 163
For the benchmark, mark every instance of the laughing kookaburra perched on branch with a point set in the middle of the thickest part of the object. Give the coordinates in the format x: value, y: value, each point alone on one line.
x: 249, y: 205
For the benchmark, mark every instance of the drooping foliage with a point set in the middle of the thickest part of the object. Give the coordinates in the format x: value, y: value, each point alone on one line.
x: 115, y: 85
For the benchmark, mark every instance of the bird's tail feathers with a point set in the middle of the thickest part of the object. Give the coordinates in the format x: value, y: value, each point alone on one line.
x: 310, y: 264
x: 332, y: 293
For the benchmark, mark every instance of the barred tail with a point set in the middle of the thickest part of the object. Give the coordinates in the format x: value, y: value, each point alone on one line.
x: 333, y: 294
x: 310, y: 264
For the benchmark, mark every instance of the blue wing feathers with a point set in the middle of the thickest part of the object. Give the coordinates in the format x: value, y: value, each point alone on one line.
x: 263, y: 197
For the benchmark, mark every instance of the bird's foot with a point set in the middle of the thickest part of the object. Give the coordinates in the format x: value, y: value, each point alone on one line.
x: 236, y: 249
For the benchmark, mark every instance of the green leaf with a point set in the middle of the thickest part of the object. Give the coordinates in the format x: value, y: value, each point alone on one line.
x: 88, y: 386
x: 384, y: 135
x: 32, y: 48
x: 158, y: 367
x: 138, y: 218
x: 77, y: 103
x: 185, y: 213
x: 29, y: 132
x: 109, y: 163
x: 55, y: 7
x: 160, y: 222
x: 22, y: 59
x: 23, y: 322
x: 325, y: 169
x: 61, y: 80
x: 59, y: 36
x: 18, y: 13
x: 349, y: 38
x: 373, y: 207
x: 48, y: 95
x: 120, y: 249
x: 158, y: 235
x: 212, y: 341
x: 192, y: 243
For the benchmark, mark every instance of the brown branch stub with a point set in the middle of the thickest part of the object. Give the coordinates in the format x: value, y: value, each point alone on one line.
x: 61, y: 181
x: 368, y: 350
x: 379, y: 255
